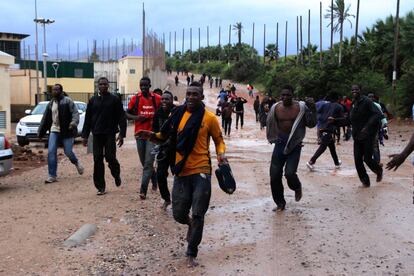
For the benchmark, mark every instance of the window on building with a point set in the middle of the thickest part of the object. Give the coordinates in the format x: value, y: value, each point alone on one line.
x: 132, y: 71
x: 78, y: 73
x: 3, y: 119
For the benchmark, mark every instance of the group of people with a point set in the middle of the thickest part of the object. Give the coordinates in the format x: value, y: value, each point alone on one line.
x: 229, y: 103
x: 178, y: 138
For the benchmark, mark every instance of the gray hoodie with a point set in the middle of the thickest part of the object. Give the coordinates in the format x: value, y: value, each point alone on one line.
x: 305, y: 118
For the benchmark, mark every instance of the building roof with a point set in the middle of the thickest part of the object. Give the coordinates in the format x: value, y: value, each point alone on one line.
x: 13, y: 35
x: 5, y: 54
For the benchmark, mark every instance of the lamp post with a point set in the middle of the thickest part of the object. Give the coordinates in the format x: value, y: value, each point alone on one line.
x: 55, y: 66
x: 45, y: 55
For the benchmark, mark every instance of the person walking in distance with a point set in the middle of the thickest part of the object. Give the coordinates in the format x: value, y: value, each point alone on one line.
x: 191, y: 127
x: 163, y: 153
x: 328, y: 113
x: 226, y: 113
x: 286, y: 128
x: 188, y: 80
x: 238, y: 103
x: 105, y: 116
x: 61, y: 119
x: 141, y: 109
x: 365, y: 119
x: 256, y: 107
x: 176, y: 80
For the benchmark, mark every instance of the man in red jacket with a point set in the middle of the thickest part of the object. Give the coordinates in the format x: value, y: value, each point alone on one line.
x: 141, y: 109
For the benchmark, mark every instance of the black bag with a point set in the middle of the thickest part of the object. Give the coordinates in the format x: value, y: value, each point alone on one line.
x: 225, y: 178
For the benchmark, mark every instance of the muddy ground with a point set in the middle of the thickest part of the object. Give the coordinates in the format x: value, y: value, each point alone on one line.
x: 338, y: 228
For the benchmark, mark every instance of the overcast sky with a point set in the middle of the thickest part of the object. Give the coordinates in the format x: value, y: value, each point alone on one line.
x: 82, y: 20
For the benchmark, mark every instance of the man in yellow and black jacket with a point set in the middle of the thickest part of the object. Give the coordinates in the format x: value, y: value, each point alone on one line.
x: 190, y: 129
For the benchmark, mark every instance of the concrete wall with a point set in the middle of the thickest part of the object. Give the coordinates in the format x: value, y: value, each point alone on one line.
x: 5, y: 61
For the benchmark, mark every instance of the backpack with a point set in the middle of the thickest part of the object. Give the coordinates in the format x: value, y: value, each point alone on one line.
x: 134, y: 110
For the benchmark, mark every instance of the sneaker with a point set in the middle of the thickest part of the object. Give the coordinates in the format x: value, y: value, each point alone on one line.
x: 338, y: 166
x: 118, y: 181
x: 50, y: 179
x: 310, y: 166
x: 101, y: 192
x: 80, y: 168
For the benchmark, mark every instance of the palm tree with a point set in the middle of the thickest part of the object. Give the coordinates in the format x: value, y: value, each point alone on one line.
x: 341, y: 14
x: 238, y: 27
x: 271, y: 52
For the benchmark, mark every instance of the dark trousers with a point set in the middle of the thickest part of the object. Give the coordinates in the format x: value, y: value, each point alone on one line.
x: 227, y: 126
x: 290, y: 164
x: 191, y: 192
x: 222, y: 121
x: 363, y: 151
x: 327, y: 141
x: 104, y: 145
x: 239, y: 115
x: 162, y: 174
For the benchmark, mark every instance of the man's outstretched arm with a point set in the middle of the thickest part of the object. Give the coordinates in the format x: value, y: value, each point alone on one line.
x: 398, y: 159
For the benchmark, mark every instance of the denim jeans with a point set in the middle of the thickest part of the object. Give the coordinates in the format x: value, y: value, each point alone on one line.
x: 290, y: 164
x: 191, y: 192
x: 54, y: 140
x: 144, y: 148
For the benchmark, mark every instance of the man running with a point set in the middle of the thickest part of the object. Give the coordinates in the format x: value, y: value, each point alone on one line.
x: 286, y: 128
x: 365, y: 119
x: 226, y: 114
x: 328, y: 113
x: 239, y: 110
x: 141, y: 109
x: 61, y: 119
x: 191, y: 127
x: 105, y: 116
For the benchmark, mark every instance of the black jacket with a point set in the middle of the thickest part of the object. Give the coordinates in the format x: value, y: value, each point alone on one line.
x: 68, y: 115
x: 364, y: 114
x: 329, y: 109
x: 104, y: 115
x: 160, y: 117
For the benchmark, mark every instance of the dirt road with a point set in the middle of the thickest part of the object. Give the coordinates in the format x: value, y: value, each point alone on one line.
x: 338, y: 228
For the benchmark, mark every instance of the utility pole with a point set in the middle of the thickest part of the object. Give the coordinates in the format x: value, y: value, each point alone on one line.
x: 286, y: 41
x: 394, y: 73
x: 143, y: 40
x: 332, y: 31
x: 309, y: 43
x: 175, y: 42
x: 297, y: 39
x: 277, y: 36
x: 252, y: 40
x: 37, y: 57
x: 356, y: 26
x: 301, y: 44
x: 199, y: 44
x: 320, y: 34
x: 182, y: 46
x: 264, y: 43
x: 169, y: 46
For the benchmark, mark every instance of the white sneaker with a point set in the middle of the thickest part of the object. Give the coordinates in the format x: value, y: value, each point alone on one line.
x: 80, y: 168
x: 50, y: 179
x: 310, y: 166
x: 339, y: 164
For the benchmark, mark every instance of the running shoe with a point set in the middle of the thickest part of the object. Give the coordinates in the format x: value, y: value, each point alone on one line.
x: 310, y: 166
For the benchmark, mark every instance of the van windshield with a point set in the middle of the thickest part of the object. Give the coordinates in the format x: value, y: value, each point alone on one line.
x: 39, y: 109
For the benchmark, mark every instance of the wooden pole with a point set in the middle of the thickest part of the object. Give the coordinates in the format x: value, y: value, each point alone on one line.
x: 309, y: 43
x: 264, y: 42
x: 199, y: 44
x: 300, y: 40
x: 182, y: 45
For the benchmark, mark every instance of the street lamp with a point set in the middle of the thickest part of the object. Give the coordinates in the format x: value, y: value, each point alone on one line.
x: 45, y: 55
x: 55, y: 66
